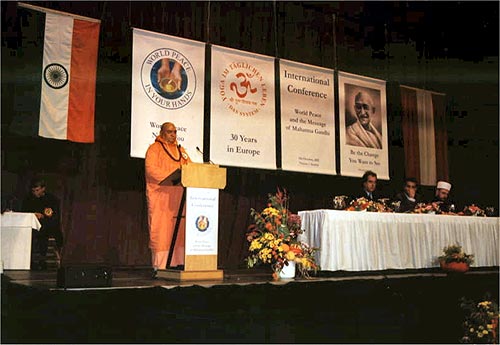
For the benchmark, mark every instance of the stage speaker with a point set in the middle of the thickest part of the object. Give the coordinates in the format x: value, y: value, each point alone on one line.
x: 78, y: 276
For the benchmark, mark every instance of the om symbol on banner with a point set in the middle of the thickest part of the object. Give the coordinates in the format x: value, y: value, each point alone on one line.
x: 247, y: 93
x: 245, y: 84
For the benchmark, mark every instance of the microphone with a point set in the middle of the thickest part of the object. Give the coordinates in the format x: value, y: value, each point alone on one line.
x: 200, y: 151
x: 184, y: 155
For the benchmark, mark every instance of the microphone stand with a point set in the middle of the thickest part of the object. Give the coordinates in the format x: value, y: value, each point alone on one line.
x: 200, y: 151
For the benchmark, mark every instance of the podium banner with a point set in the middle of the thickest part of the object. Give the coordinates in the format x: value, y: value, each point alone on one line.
x: 363, y: 126
x: 167, y: 86
x: 242, y: 130
x: 202, y: 223
x: 307, y: 118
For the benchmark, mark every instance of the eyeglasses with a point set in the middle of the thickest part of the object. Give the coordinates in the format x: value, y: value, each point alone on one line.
x: 360, y: 106
x: 411, y: 186
x: 171, y: 131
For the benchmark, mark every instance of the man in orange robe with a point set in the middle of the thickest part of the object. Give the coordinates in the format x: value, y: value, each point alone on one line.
x: 163, y: 157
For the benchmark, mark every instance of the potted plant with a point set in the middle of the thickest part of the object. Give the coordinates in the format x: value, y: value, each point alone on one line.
x: 454, y: 259
x: 481, y: 321
x: 273, y: 240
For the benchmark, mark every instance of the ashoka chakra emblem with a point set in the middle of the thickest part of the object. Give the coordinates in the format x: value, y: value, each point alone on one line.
x: 55, y: 75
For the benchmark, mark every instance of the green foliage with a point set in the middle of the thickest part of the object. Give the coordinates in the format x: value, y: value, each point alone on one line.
x: 481, y: 322
x: 454, y: 253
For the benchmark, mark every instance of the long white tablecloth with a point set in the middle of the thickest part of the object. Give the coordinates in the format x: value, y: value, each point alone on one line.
x: 366, y: 241
x: 16, y: 239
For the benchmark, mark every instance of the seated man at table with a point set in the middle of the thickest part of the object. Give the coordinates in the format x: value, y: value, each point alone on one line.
x: 46, y: 208
x: 408, y: 198
x: 442, y: 197
x: 369, y: 186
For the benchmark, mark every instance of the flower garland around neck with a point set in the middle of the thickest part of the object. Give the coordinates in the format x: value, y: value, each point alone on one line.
x: 170, y: 155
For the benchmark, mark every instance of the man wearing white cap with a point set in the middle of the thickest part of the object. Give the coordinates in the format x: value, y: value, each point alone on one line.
x: 442, y: 192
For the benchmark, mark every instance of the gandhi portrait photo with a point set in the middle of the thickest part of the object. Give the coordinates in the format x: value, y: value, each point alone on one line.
x: 362, y: 117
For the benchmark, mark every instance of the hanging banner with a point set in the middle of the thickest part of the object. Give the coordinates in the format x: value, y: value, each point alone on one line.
x: 307, y: 118
x: 167, y: 86
x: 363, y: 126
x: 59, y: 67
x: 242, y: 125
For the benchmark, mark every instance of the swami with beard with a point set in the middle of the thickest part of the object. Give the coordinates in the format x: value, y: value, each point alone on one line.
x: 362, y: 132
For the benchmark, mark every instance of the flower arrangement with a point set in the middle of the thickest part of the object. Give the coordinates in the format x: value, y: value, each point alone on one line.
x: 427, y: 208
x: 455, y: 253
x: 363, y: 204
x: 472, y: 210
x: 273, y: 238
x: 481, y: 322
x: 339, y: 202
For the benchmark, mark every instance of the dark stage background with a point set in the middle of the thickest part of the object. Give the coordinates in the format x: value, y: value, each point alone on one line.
x: 448, y: 47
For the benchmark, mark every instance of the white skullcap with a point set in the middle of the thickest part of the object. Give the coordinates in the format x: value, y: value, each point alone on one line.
x: 443, y: 185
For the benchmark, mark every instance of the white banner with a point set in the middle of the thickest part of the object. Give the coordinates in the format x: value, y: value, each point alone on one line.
x: 242, y: 125
x: 307, y: 118
x: 168, y: 76
x: 202, y: 223
x: 363, y: 126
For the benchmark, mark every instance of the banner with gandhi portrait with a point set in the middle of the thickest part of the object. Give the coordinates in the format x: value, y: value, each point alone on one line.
x: 168, y: 76
x: 242, y: 109
x: 307, y: 118
x: 363, y: 126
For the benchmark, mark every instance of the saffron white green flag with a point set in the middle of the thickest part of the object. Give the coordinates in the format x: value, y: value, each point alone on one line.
x: 59, y: 67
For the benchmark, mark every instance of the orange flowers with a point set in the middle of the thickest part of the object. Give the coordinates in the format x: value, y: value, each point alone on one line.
x: 273, y: 237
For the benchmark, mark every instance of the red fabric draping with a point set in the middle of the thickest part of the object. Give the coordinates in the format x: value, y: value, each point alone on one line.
x: 441, y: 134
x: 409, y: 123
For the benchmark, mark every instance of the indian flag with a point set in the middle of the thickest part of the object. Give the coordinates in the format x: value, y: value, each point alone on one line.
x: 68, y: 74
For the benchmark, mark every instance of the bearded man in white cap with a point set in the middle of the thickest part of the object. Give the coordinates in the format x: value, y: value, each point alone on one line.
x: 442, y: 197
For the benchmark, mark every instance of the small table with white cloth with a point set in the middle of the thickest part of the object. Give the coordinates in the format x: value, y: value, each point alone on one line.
x: 371, y: 241
x: 16, y: 239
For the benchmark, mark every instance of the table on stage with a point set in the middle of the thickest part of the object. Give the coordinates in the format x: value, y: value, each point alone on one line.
x: 16, y: 239
x: 368, y: 241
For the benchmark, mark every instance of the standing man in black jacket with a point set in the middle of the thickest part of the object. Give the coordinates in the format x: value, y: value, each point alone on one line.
x: 46, y: 208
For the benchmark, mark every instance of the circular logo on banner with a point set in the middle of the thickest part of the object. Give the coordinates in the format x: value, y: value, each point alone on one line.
x: 168, y: 78
x: 202, y: 223
x: 55, y: 75
x: 243, y: 89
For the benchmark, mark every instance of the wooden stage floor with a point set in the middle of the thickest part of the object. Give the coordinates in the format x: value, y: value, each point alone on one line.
x: 393, y: 306
x: 141, y: 277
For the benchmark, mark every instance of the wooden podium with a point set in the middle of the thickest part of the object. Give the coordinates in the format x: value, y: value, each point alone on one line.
x: 201, y: 184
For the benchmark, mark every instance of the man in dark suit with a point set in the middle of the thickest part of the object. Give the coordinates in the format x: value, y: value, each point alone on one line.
x: 369, y: 184
x: 46, y: 208
x: 408, y: 198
